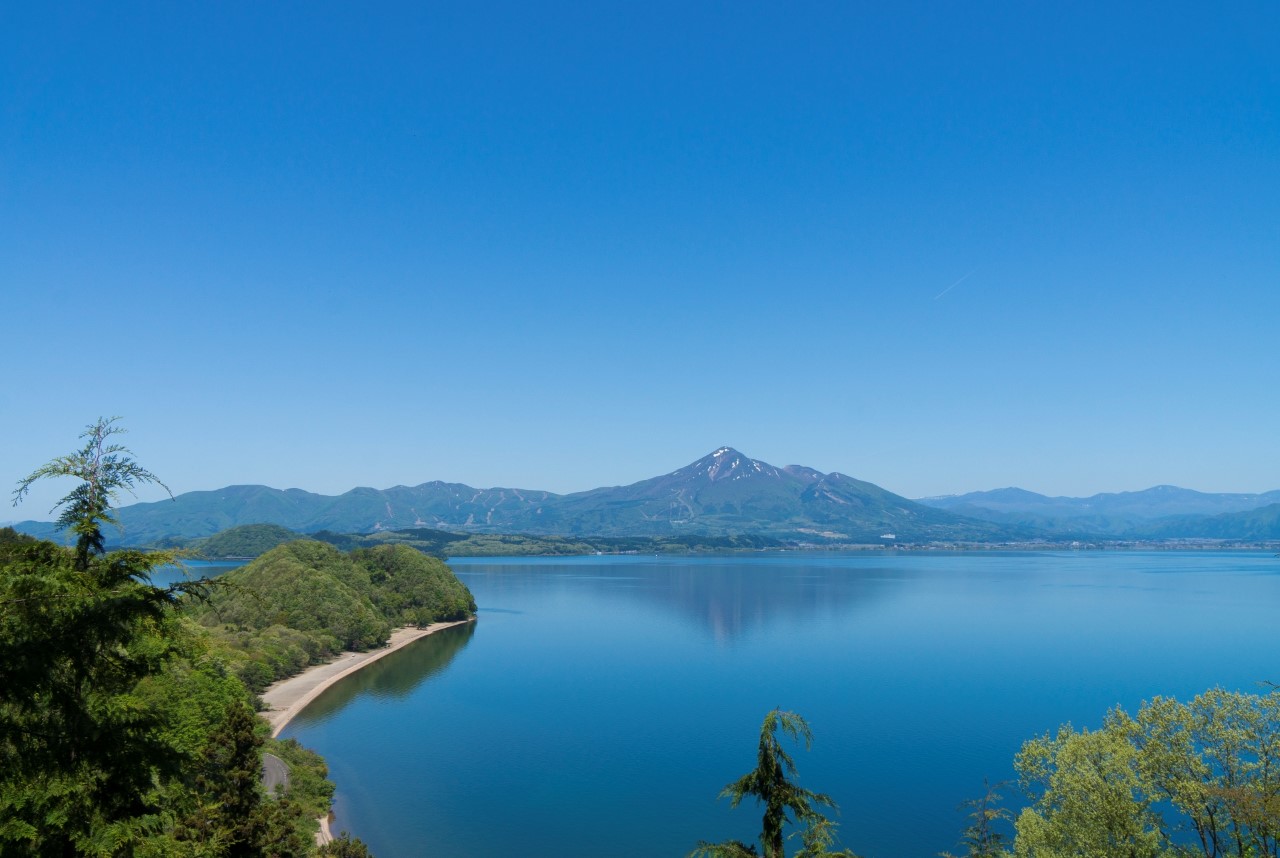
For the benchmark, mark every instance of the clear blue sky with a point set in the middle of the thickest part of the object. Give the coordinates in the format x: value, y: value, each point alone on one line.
x: 938, y: 246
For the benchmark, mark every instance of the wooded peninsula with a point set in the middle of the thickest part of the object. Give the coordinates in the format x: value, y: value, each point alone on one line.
x: 127, y: 709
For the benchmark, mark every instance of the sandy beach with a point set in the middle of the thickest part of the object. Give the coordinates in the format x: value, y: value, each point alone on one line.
x: 286, y: 698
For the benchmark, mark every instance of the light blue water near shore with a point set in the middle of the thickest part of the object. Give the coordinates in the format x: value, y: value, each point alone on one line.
x: 600, y: 703
x: 191, y: 570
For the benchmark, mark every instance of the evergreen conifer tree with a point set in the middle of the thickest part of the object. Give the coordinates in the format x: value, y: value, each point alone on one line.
x: 772, y: 783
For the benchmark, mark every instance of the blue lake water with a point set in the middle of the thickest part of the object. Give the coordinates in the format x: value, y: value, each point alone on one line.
x: 191, y: 570
x: 599, y: 704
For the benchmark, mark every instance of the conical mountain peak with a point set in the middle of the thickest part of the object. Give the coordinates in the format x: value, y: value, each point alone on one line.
x: 723, y: 493
x: 724, y: 463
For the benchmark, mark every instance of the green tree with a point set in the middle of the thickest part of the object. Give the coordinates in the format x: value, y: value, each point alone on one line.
x: 344, y: 847
x: 772, y: 783
x: 1090, y: 801
x: 79, y: 753
x: 122, y: 733
x: 1216, y: 760
x: 227, y: 778
x: 1197, y: 778
x: 104, y: 469
x: 818, y: 837
x: 982, y: 838
x: 82, y: 757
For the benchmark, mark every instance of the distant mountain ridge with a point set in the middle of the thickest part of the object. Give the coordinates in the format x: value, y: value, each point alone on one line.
x: 723, y: 493
x: 726, y: 492
x: 1181, y: 513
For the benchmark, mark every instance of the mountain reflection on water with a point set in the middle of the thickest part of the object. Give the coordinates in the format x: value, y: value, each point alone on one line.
x: 609, y: 699
x: 730, y: 596
x: 395, y: 675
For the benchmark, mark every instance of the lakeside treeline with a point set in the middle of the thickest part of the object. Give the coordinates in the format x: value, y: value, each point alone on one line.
x: 252, y: 540
x: 127, y: 709
x: 247, y: 541
x: 121, y: 731
x: 304, y: 602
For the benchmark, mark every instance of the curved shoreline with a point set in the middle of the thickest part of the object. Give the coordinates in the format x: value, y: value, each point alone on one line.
x: 288, y: 697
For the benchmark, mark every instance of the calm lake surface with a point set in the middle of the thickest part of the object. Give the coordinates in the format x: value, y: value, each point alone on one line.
x: 599, y: 704
x: 191, y: 570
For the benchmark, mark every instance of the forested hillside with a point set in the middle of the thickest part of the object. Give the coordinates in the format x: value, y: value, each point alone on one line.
x: 247, y: 540
x: 123, y: 732
x: 305, y: 601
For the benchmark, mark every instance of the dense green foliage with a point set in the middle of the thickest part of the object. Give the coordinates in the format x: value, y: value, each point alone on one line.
x: 772, y: 783
x: 79, y: 752
x: 305, y: 601
x: 248, y: 540
x: 411, y: 589
x: 225, y: 813
x: 1177, y: 780
x: 1199, y: 778
x: 309, y: 786
x: 10, y: 537
x: 306, y: 586
x: 344, y: 847
x: 121, y: 733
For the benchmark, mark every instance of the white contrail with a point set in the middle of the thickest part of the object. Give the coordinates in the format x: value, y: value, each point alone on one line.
x: 954, y: 285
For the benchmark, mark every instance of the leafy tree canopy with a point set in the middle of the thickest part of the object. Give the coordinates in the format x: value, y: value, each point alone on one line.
x: 305, y: 601
x: 1198, y: 778
x: 247, y: 540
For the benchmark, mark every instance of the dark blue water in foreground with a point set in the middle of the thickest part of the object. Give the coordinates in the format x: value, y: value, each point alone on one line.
x: 601, y: 703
